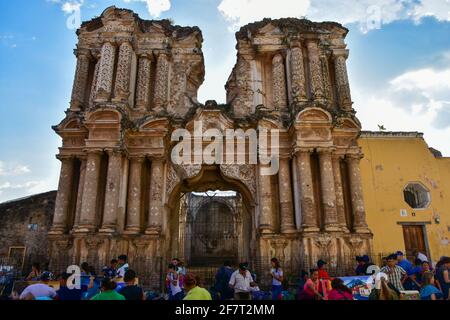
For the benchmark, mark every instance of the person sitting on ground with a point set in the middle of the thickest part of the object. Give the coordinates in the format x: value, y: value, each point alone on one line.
x: 39, y: 291
x: 223, y: 277
x: 173, y: 283
x: 396, y: 274
x: 193, y: 291
x: 384, y: 290
x: 35, y: 273
x: 122, y: 266
x: 311, y: 288
x: 132, y: 291
x: 111, y: 270
x: 339, y: 291
x: 242, y: 282
x: 65, y: 293
x: 108, y: 292
x: 429, y: 290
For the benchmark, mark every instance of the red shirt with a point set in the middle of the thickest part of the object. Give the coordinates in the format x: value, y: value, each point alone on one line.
x: 323, y: 274
x: 339, y: 295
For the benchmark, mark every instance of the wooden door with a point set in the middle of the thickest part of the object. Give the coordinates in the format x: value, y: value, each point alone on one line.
x: 414, y: 236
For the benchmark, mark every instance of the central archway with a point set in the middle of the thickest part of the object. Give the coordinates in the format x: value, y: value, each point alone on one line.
x: 212, y: 219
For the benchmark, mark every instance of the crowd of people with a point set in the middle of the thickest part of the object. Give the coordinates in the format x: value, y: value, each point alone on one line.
x: 118, y: 281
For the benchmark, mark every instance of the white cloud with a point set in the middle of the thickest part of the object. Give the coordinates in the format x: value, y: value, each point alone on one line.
x: 240, y: 12
x: 12, y: 169
x: 369, y: 14
x: 155, y: 7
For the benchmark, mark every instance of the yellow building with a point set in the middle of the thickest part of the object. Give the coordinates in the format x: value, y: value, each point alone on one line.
x: 407, y: 193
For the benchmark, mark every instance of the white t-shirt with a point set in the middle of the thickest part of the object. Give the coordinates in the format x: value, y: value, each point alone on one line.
x: 279, y: 274
x: 38, y: 290
x: 241, y: 283
x: 174, y: 289
x: 422, y: 257
x: 121, y: 271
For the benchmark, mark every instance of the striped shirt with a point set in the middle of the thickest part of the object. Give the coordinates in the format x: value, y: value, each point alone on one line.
x: 395, y: 275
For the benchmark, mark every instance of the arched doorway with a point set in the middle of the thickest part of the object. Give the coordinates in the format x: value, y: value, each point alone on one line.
x: 212, y: 219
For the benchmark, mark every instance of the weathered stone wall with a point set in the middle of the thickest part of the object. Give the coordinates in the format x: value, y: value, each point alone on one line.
x: 17, y: 216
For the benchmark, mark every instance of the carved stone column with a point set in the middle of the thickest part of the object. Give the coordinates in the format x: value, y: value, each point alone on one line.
x: 62, y: 204
x: 340, y: 206
x: 162, y: 82
x: 265, y: 202
x: 134, y: 196
x: 342, y: 84
x: 279, y: 83
x: 156, y: 210
x: 90, y: 192
x: 143, y: 82
x: 328, y: 190
x: 112, y: 193
x: 80, y: 191
x: 123, y: 74
x: 298, y: 79
x: 286, y: 205
x: 309, y: 212
x: 105, y: 73
x: 80, y: 83
x: 93, y: 93
x: 315, y: 70
x: 359, y: 213
x: 327, y: 90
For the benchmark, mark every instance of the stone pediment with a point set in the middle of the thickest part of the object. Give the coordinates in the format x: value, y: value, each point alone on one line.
x: 314, y: 115
x: 211, y: 119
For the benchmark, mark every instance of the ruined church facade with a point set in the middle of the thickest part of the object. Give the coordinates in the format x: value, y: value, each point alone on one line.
x: 136, y: 82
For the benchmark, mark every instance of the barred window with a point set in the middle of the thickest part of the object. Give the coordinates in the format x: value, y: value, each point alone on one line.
x: 416, y: 196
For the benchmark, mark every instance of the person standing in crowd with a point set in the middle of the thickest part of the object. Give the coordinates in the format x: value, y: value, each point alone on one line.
x: 403, y: 262
x: 223, y: 277
x: 301, y: 283
x: 111, y: 270
x: 396, y: 274
x: 324, y: 277
x: 65, y: 293
x: 419, y: 255
x: 35, y: 273
x: 123, y: 266
x: 429, y: 290
x: 108, y: 292
x: 339, y: 291
x: 277, y: 279
x: 193, y: 291
x: 360, y: 267
x: 311, y: 288
x: 173, y: 283
x: 384, y: 289
x: 425, y: 267
x: 442, y: 275
x: 39, y: 291
x: 131, y: 291
x: 242, y: 282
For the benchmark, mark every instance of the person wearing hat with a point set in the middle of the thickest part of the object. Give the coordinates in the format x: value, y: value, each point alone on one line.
x: 242, y: 282
x: 194, y: 292
x: 39, y: 291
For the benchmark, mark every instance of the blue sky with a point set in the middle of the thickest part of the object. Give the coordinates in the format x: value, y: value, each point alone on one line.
x: 399, y: 67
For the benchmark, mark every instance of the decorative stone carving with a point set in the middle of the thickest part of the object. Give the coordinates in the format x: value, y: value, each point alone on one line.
x: 106, y: 72
x: 265, y: 202
x: 156, y: 211
x: 80, y: 192
x: 134, y: 196
x: 298, y: 79
x: 285, y: 191
x: 359, y: 212
x: 328, y: 190
x: 343, y: 87
x: 122, y: 88
x: 340, y: 206
x: 315, y: 69
x: 244, y: 173
x: 93, y: 93
x: 143, y: 82
x: 279, y: 83
x: 110, y: 213
x: 327, y: 89
x: 80, y: 82
x: 244, y: 94
x: 162, y: 82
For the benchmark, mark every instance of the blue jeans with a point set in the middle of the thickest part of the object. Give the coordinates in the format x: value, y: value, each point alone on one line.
x: 276, y: 291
